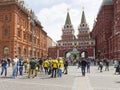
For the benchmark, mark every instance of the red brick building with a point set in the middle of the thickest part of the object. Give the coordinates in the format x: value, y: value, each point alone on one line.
x: 115, y: 37
x: 20, y: 31
x: 70, y: 45
x: 106, y: 30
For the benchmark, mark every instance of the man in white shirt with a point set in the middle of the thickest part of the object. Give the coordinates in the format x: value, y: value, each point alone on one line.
x: 15, y: 68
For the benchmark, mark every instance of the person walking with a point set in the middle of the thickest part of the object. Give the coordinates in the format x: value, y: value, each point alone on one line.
x: 101, y: 66
x: 26, y: 65
x: 65, y: 67
x: 15, y: 67
x: 107, y: 65
x: 40, y: 64
x: 88, y: 65
x: 55, y: 67
x: 32, y: 68
x: 60, y: 65
x: 117, y: 67
x: 83, y: 66
x: 8, y: 61
x: 46, y: 65
x: 4, y: 66
x: 21, y: 64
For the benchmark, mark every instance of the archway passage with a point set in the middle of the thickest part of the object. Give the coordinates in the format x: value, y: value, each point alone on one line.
x: 74, y: 54
x: 84, y: 54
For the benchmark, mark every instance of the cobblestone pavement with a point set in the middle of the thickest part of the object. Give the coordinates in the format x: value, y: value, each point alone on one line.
x: 106, y: 80
x: 73, y: 81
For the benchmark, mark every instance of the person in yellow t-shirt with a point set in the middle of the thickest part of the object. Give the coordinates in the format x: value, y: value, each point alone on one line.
x: 55, y: 67
x: 46, y: 65
x: 26, y: 62
x: 60, y: 65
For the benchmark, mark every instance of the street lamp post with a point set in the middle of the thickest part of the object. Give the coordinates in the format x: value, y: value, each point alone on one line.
x: 33, y: 26
x: 32, y: 21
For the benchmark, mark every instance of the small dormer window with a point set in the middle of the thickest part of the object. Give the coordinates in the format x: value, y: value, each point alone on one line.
x: 67, y: 26
x: 83, y: 25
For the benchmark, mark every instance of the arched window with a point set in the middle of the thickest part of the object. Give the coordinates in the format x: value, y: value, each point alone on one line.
x: 19, y: 51
x: 24, y: 52
x: 5, y: 32
x: 30, y: 52
x: 6, y: 50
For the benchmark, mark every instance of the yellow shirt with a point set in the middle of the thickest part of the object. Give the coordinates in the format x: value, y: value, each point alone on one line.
x: 55, y: 63
x: 45, y: 64
x: 60, y: 63
x: 25, y: 62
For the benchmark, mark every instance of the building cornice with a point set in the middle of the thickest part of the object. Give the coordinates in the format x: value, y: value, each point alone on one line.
x: 23, y: 8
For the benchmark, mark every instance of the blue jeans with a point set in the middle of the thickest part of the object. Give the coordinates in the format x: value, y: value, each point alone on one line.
x: 83, y: 70
x: 15, y: 71
x: 4, y: 68
x: 88, y: 68
x: 21, y: 70
x: 59, y: 72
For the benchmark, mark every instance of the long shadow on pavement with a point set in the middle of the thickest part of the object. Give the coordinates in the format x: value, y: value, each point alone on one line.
x: 7, y: 77
x: 118, y: 82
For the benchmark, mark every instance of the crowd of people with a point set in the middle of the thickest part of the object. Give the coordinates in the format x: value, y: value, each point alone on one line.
x: 52, y: 67
x: 85, y: 63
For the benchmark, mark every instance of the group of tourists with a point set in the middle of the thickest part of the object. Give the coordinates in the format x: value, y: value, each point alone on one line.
x: 53, y: 67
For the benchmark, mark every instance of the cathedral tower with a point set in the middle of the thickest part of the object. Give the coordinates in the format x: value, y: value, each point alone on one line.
x: 68, y: 31
x: 83, y: 29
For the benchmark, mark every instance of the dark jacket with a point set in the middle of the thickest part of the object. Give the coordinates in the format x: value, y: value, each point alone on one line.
x: 83, y: 63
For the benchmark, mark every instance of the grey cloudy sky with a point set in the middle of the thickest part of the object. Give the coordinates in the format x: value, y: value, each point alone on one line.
x: 52, y: 13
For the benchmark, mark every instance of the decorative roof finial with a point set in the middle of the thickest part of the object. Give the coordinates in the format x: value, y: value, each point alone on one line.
x: 83, y: 8
x: 68, y: 9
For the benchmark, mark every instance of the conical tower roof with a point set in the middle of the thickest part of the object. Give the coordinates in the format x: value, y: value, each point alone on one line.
x: 68, y: 20
x: 83, y: 19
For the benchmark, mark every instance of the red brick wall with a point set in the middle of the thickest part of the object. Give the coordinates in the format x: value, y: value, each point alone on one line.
x: 103, y: 30
x: 115, y: 38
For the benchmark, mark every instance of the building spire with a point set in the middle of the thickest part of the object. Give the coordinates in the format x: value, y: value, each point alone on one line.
x: 68, y: 20
x: 83, y: 8
x: 83, y: 19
